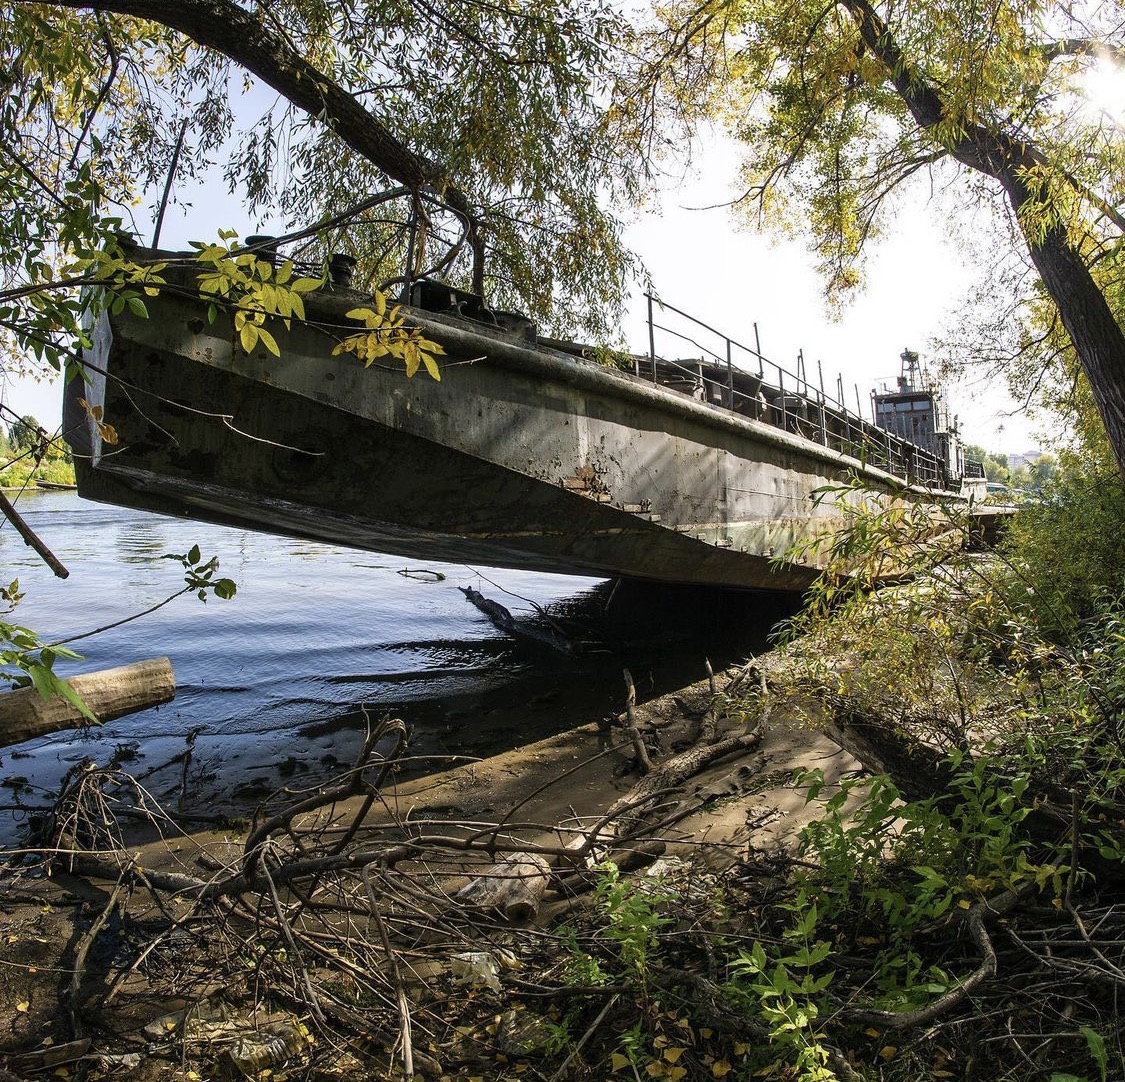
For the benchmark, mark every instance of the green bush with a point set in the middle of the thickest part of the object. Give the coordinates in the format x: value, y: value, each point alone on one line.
x: 23, y: 473
x: 1069, y: 548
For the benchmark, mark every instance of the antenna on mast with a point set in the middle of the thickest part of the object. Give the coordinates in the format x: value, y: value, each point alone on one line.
x: 911, y: 367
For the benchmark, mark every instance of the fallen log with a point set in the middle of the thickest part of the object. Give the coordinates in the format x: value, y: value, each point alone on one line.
x: 919, y: 769
x: 109, y: 694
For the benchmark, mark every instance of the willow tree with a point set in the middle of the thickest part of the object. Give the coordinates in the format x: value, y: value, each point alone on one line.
x: 840, y: 103
x: 366, y: 116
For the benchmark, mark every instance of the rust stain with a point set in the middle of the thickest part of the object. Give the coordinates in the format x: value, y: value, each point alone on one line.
x: 585, y: 479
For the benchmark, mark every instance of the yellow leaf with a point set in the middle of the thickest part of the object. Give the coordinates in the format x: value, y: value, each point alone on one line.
x: 721, y: 1069
x: 107, y: 432
x: 248, y: 336
x: 871, y: 1031
x: 359, y: 313
x: 964, y: 903
x: 672, y: 1055
x: 370, y: 319
x: 92, y: 411
x: 412, y: 358
x: 676, y: 1073
x: 888, y: 1051
x: 22, y: 1007
x: 741, y: 1048
x: 618, y: 1062
x: 706, y: 1034
x: 269, y: 341
x: 33, y: 969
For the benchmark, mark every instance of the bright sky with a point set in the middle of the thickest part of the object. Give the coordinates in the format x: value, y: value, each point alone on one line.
x: 703, y: 262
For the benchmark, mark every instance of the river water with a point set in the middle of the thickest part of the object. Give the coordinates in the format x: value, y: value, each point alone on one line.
x: 276, y: 681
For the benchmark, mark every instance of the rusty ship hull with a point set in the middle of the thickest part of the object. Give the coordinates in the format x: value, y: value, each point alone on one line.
x: 523, y: 455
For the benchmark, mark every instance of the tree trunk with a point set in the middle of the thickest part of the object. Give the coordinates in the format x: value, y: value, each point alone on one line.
x: 1095, y: 333
x: 1098, y: 339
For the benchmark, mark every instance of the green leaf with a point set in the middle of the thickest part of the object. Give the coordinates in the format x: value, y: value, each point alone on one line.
x: 225, y: 589
x: 67, y: 692
x: 1096, y: 1044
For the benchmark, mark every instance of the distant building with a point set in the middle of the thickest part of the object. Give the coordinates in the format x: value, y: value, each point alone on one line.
x: 1023, y: 458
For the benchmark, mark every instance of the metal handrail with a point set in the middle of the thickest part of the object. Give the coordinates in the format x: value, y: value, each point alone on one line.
x: 859, y: 437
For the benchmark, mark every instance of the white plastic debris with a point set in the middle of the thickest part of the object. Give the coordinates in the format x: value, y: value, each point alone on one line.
x: 476, y: 969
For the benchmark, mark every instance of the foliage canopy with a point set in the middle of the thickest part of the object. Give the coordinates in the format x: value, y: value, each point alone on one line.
x: 841, y: 106
x: 480, y: 120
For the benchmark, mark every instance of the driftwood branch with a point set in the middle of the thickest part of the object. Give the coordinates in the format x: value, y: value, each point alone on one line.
x: 675, y: 771
x: 109, y: 694
x: 30, y: 537
x: 644, y: 763
x: 975, y: 919
x: 708, y: 728
x: 504, y: 621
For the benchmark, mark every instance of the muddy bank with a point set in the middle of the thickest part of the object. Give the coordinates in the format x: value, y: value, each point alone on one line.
x: 98, y: 960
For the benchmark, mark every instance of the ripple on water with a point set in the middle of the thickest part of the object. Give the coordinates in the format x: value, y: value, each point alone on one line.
x: 317, y: 633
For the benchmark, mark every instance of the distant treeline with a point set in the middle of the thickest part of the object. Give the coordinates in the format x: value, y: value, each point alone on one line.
x: 28, y: 454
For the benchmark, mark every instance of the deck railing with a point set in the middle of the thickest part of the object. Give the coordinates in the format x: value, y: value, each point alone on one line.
x: 736, y: 377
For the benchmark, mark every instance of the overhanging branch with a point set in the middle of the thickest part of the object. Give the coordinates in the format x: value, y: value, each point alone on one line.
x: 233, y: 32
